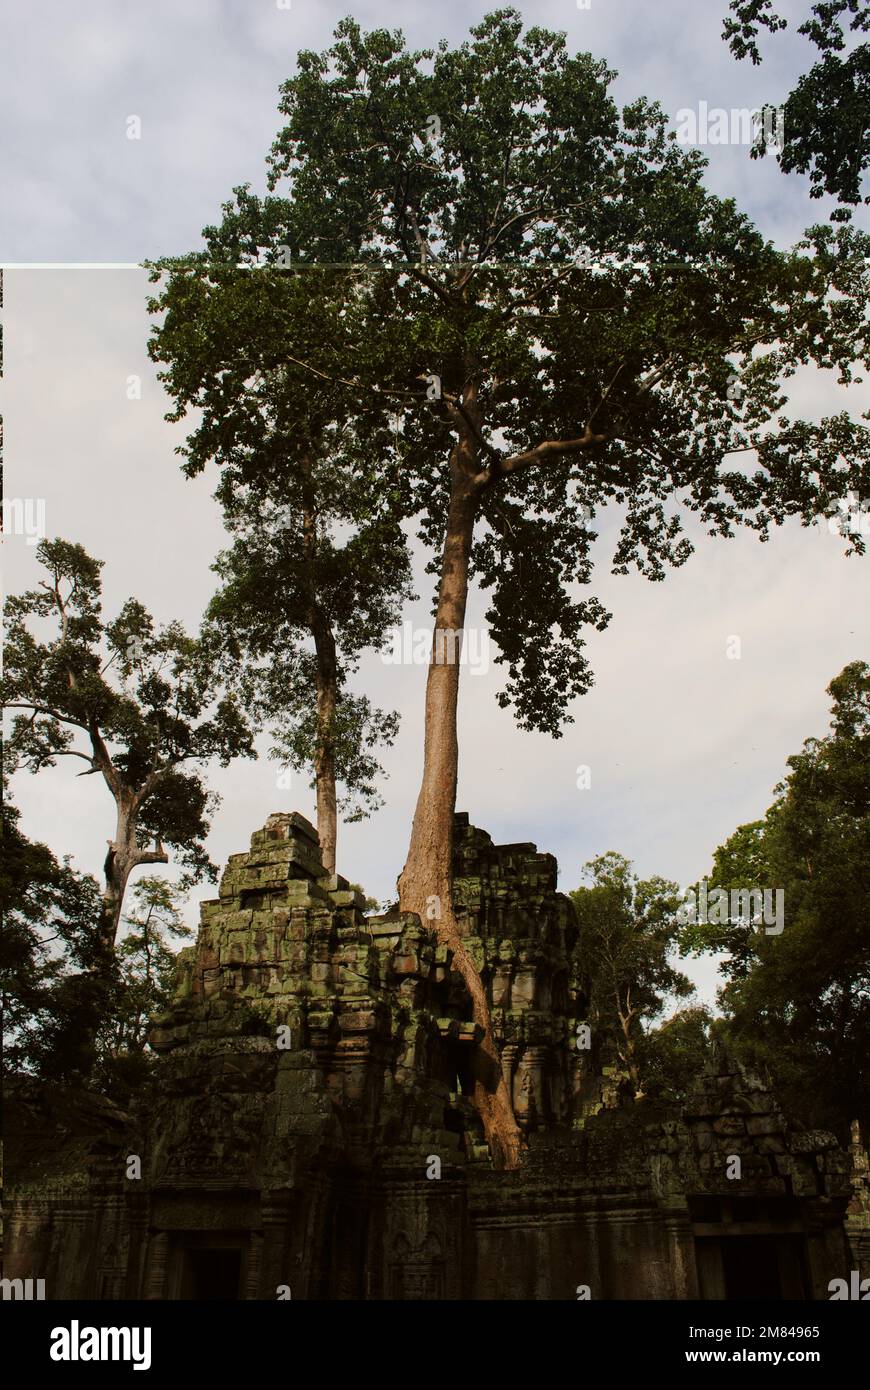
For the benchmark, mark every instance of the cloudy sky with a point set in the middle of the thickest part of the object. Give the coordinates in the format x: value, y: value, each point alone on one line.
x: 683, y: 743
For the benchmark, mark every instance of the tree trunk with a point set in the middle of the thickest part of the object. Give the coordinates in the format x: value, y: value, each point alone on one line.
x: 117, y: 871
x: 123, y: 857
x: 630, y: 1052
x: 326, y: 687
x: 426, y: 882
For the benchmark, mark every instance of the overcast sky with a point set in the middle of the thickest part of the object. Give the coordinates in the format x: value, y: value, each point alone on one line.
x: 683, y: 744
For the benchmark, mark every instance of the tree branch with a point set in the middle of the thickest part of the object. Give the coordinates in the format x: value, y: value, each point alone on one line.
x: 52, y: 713
x: 425, y: 279
x: 605, y: 393
x: 547, y: 449
x: 73, y: 753
x: 355, y: 385
x: 157, y: 855
x: 153, y: 780
x: 455, y: 404
x: 517, y: 217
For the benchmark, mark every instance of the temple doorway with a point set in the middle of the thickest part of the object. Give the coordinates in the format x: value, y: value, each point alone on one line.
x: 211, y: 1275
x: 207, y: 1269
x: 751, y: 1268
x: 749, y: 1249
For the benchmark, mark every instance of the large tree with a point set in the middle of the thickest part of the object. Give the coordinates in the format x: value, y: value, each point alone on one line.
x: 52, y: 992
x: 311, y: 490
x: 559, y: 312
x: 672, y: 1054
x: 628, y: 930
x: 797, y: 1002
x: 140, y: 705
x: 741, y: 865
x: 146, y: 969
x: 826, y: 118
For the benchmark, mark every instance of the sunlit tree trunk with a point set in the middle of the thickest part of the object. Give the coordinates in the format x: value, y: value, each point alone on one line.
x: 123, y: 857
x: 326, y: 687
x: 326, y: 692
x: 426, y: 882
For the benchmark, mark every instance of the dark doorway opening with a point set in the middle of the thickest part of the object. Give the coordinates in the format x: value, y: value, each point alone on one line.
x: 210, y: 1275
x: 751, y: 1268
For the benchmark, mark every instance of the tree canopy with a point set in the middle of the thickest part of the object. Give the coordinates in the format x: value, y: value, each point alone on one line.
x: 494, y: 180
x: 52, y: 995
x: 311, y: 489
x: 825, y: 125
x: 628, y: 929
x: 798, y: 1002
x: 557, y: 310
x: 139, y: 704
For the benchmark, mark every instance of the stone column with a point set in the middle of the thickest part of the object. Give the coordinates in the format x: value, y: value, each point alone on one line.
x: 858, y: 1214
x: 681, y: 1248
x: 508, y: 1063
x: 138, y: 1216
x: 274, y: 1257
x: 529, y: 1092
x: 72, y: 1263
x: 155, y: 1266
x: 253, y: 1266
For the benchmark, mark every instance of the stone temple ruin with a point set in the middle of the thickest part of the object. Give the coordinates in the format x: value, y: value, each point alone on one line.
x: 312, y: 1135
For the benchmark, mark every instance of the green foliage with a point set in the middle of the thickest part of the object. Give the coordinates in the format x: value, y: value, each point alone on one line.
x: 825, y: 117
x: 741, y: 863
x: 310, y: 486
x: 798, y: 1003
x: 146, y: 962
x: 371, y: 904
x: 49, y: 946
x: 628, y: 931
x: 138, y: 704
x: 254, y: 1022
x: 672, y: 1055
x: 261, y: 620
x: 499, y: 231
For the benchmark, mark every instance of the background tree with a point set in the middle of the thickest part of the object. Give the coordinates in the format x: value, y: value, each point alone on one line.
x: 741, y: 864
x: 52, y: 995
x: 672, y: 1055
x: 310, y: 489
x: 139, y: 704
x: 826, y: 118
x: 146, y: 956
x: 628, y: 929
x: 262, y: 626
x: 798, y: 1004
